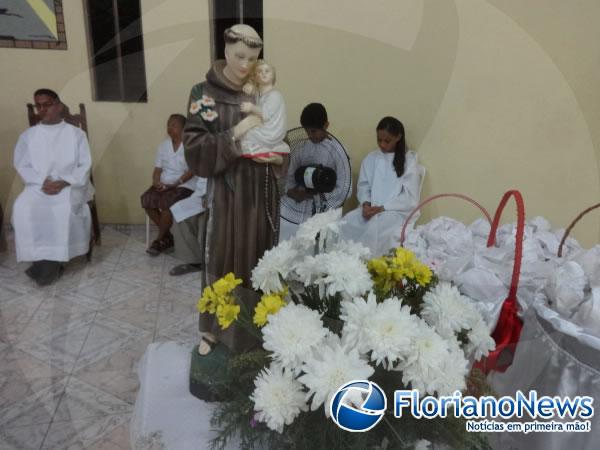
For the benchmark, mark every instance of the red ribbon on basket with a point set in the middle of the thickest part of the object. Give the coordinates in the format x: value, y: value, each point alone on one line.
x: 508, y: 329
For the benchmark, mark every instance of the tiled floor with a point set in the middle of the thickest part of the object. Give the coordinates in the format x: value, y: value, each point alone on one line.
x: 69, y: 352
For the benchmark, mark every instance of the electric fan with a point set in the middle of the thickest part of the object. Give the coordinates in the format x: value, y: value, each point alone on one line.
x: 321, y: 169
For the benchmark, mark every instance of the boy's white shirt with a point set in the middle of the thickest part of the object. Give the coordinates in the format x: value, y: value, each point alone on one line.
x: 173, y: 164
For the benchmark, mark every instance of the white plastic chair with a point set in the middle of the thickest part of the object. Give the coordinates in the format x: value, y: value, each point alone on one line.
x: 147, y: 231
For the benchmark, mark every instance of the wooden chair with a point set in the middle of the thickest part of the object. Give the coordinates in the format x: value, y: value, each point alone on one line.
x: 80, y: 121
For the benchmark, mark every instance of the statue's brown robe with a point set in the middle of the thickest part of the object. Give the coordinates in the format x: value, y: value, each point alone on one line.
x: 242, y: 196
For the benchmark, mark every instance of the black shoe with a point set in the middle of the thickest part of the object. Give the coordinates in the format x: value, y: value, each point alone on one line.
x: 33, y: 271
x: 182, y: 269
x: 50, y: 272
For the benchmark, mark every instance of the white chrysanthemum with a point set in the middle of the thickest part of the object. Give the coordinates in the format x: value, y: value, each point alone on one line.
x: 326, y: 224
x: 346, y: 274
x: 292, y: 333
x: 390, y: 332
x: 480, y: 342
x: 422, y: 444
x: 356, y: 315
x: 334, y: 273
x: 278, y: 397
x: 274, y: 265
x: 445, y: 309
x: 309, y: 269
x: 356, y: 249
x: 449, y: 312
x: 455, y: 369
x: 330, y: 366
x: 431, y: 366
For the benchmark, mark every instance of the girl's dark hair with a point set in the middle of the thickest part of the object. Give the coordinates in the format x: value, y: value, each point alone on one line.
x: 180, y: 118
x: 395, y: 128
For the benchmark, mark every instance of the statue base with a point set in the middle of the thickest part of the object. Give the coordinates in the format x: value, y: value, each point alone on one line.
x: 209, y: 372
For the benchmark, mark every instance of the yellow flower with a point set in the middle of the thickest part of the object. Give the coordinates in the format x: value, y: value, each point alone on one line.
x: 402, y: 252
x: 404, y: 263
x: 378, y: 267
x: 423, y: 274
x: 404, y: 258
x: 390, y: 271
x: 269, y: 304
x: 225, y: 285
x: 218, y: 294
x: 226, y: 314
x: 228, y: 299
x: 208, y: 302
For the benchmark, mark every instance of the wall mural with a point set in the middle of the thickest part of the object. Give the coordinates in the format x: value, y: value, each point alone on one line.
x: 35, y: 24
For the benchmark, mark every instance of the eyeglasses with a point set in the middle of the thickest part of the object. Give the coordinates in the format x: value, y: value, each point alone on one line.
x: 46, y: 105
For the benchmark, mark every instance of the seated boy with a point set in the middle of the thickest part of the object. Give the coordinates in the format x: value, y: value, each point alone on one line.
x: 318, y: 149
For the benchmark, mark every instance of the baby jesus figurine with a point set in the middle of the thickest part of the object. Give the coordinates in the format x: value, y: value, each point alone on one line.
x: 266, y: 141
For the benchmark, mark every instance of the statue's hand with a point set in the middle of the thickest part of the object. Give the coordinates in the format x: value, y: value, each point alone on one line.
x: 246, y: 125
x: 246, y: 107
x: 248, y: 89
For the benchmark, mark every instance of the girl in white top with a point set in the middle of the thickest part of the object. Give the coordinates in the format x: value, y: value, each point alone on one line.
x: 172, y: 181
x: 388, y: 190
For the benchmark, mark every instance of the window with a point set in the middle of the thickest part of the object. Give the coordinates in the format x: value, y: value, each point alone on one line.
x: 226, y: 13
x: 116, y: 45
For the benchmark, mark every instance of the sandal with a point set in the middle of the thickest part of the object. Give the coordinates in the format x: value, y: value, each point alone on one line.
x: 206, y: 345
x: 155, y: 248
x: 167, y: 242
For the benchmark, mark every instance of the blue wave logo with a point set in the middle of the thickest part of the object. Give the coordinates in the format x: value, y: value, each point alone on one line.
x: 358, y: 406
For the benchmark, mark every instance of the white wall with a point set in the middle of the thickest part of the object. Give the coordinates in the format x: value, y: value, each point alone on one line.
x: 494, y: 94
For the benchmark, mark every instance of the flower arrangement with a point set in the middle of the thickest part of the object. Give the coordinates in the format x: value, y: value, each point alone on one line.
x: 204, y: 106
x: 329, y: 315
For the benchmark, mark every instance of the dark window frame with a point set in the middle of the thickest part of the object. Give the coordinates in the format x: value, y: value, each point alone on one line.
x: 225, y: 13
x: 59, y: 44
x: 109, y: 56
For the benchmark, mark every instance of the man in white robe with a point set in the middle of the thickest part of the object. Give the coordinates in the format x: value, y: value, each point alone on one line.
x: 51, y: 217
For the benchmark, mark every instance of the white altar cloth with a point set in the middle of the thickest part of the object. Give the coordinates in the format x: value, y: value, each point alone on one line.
x: 166, y: 415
